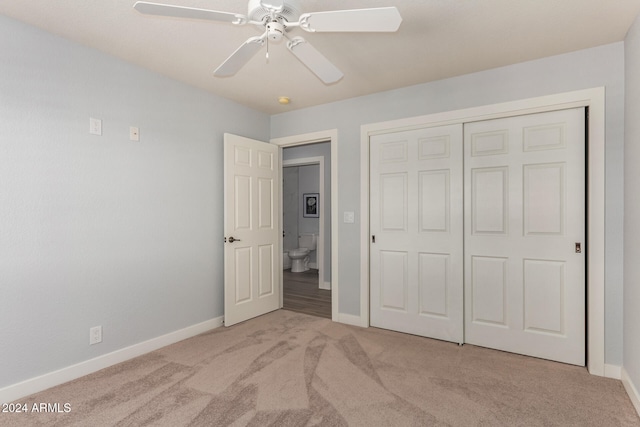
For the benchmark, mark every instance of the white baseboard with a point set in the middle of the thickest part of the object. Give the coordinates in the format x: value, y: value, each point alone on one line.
x: 612, y: 371
x: 632, y: 390
x: 325, y: 286
x: 350, y: 319
x: 51, y: 379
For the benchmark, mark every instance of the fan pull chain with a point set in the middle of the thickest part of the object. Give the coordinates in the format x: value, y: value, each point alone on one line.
x: 267, y: 50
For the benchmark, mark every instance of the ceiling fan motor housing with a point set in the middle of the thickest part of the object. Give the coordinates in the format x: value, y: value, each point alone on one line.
x: 275, y: 30
x: 290, y: 12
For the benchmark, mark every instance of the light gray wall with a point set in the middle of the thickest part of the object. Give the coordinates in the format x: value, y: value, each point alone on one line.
x: 632, y: 206
x: 101, y: 230
x: 308, y: 182
x: 601, y: 66
x: 322, y: 149
x: 290, y: 207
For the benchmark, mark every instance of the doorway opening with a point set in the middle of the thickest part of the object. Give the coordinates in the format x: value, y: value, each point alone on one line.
x: 306, y: 229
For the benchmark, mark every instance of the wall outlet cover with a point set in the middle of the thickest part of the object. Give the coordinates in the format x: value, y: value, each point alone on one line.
x: 95, y: 335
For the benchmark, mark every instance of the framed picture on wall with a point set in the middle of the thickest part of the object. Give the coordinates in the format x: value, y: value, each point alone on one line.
x: 310, y: 203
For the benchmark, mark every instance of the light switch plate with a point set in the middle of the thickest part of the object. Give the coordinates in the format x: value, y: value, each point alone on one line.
x: 349, y: 217
x: 95, y: 126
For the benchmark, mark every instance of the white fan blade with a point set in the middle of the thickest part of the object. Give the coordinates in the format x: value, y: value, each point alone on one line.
x: 188, y: 12
x: 382, y: 19
x: 241, y: 56
x: 314, y: 60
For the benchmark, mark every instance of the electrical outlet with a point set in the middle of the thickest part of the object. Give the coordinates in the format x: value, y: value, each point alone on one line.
x: 95, y: 335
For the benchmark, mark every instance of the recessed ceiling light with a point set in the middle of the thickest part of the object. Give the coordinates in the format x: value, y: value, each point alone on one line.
x: 284, y: 100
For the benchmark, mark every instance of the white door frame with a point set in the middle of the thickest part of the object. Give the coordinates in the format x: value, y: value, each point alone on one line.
x: 594, y: 99
x: 330, y: 135
x: 321, y: 227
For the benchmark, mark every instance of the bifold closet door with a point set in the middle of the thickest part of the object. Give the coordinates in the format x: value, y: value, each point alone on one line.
x: 416, y: 242
x: 525, y: 234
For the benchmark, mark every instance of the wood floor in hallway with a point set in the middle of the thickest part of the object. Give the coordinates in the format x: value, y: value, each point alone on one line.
x: 301, y: 294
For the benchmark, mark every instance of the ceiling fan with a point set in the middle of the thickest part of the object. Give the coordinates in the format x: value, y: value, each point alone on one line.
x: 277, y: 18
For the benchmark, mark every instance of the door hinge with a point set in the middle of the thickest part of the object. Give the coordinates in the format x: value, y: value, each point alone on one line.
x: 578, y: 247
x: 373, y: 238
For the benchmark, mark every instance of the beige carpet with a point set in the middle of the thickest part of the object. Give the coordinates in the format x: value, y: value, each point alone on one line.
x: 290, y: 369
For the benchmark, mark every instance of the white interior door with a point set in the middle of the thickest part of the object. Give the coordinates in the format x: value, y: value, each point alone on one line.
x: 524, y: 217
x: 252, y: 245
x: 416, y: 260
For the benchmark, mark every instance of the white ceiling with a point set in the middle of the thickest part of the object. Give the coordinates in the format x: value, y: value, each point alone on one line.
x: 437, y: 39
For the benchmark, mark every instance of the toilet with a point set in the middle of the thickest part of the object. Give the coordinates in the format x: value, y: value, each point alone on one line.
x: 307, y: 242
x: 286, y: 261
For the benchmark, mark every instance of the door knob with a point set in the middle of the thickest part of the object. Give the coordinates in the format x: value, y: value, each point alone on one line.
x: 231, y: 240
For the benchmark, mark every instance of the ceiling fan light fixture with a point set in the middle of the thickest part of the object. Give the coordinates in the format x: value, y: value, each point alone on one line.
x: 275, y: 30
x: 257, y: 12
